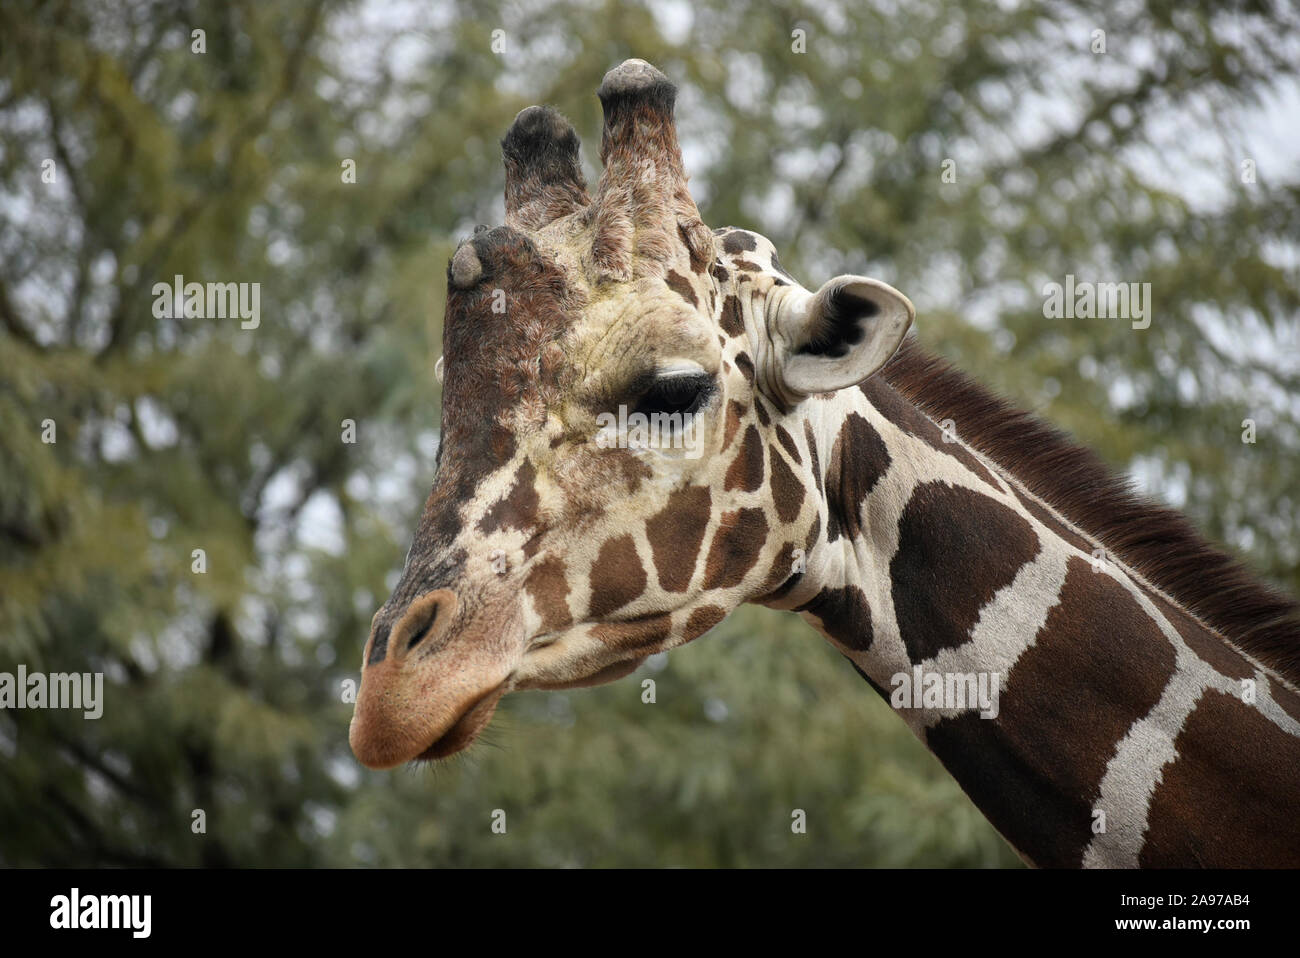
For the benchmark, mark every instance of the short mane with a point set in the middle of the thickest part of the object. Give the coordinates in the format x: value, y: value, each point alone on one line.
x: 1158, y: 542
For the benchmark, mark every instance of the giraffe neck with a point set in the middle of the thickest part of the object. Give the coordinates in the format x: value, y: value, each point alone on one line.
x: 1113, y: 728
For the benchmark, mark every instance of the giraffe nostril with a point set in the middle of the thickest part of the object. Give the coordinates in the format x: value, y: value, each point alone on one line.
x: 420, y: 632
x: 424, y: 619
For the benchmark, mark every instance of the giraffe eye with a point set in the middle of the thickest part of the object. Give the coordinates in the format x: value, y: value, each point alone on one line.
x: 684, y: 395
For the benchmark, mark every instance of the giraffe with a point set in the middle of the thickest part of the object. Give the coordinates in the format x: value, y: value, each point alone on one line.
x: 1147, y: 709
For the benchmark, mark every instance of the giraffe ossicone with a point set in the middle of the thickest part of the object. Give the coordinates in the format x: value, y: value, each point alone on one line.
x: 555, y: 552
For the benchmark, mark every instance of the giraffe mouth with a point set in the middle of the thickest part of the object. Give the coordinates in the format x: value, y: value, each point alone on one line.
x: 609, y: 673
x: 467, y: 728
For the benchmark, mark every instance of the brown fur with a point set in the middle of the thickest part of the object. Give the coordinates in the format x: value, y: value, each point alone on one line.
x: 746, y: 470
x: 617, y: 576
x: 1190, y: 821
x: 1050, y: 750
x: 548, y: 585
x: 676, y: 533
x: 947, y: 534
x: 787, y: 490
x: 853, y: 474
x: 636, y: 635
x: 1158, y: 542
x: 845, y: 614
x: 735, y: 549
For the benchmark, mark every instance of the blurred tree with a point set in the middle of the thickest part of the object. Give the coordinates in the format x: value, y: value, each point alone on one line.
x: 333, y: 153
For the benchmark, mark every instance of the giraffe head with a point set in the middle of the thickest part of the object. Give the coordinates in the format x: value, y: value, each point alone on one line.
x: 623, y: 458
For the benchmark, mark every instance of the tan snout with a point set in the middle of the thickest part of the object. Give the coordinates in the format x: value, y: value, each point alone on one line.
x: 427, y: 687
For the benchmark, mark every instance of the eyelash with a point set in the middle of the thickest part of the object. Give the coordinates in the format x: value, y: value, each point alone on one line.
x: 677, y: 394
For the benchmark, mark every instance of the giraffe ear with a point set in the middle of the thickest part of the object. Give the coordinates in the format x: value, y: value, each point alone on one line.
x: 838, y: 336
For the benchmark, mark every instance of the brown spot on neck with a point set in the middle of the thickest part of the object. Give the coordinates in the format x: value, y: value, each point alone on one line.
x: 784, y: 575
x: 703, y: 619
x: 788, y: 444
x: 956, y: 549
x: 1159, y: 543
x: 787, y: 490
x: 844, y: 614
x: 858, y: 461
x: 1229, y: 799
x: 813, y: 457
x: 1073, y: 695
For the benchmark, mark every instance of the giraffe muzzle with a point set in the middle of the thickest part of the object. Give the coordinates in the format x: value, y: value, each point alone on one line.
x: 430, y: 685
